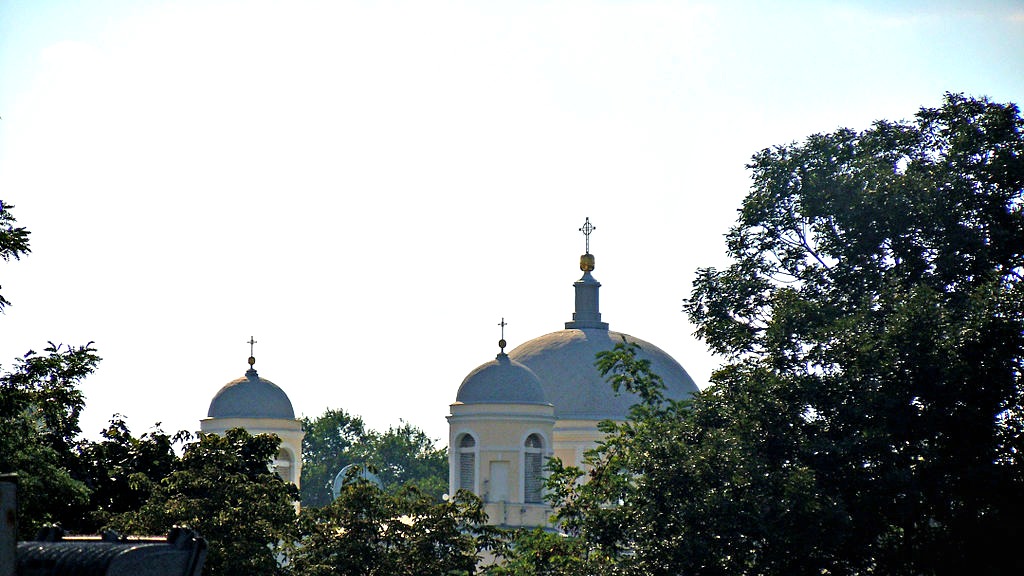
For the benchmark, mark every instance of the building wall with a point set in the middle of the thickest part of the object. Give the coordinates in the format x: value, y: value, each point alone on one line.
x: 500, y: 432
x: 288, y: 463
x: 572, y: 438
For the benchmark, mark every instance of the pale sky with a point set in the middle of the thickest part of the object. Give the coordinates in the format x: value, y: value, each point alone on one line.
x: 369, y: 187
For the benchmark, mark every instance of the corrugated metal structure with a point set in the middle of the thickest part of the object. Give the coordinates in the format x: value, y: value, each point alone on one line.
x: 182, y: 553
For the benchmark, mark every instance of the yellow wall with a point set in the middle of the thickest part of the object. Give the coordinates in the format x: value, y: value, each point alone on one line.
x: 500, y: 431
x: 289, y: 431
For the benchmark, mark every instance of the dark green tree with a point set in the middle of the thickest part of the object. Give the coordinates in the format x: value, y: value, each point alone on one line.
x: 868, y: 419
x: 537, y: 552
x: 121, y: 472
x: 367, y: 531
x: 405, y: 455
x: 13, y: 240
x: 626, y: 512
x: 223, y: 487
x: 874, y: 322
x: 402, y: 455
x: 39, y: 409
x: 331, y: 442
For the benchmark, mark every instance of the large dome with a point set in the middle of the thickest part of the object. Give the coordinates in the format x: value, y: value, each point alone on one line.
x: 501, y: 381
x: 564, y: 362
x: 251, y: 397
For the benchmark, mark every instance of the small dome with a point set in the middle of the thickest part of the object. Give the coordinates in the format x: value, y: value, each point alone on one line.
x: 564, y: 362
x: 251, y: 397
x: 501, y: 381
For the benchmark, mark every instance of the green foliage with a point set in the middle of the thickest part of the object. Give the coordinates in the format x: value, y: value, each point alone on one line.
x: 331, y: 442
x: 874, y: 316
x: 406, y: 456
x: 626, y: 509
x: 869, y: 418
x: 538, y: 552
x: 223, y: 487
x: 402, y: 455
x: 39, y: 409
x: 121, y: 472
x: 13, y: 240
x: 367, y: 531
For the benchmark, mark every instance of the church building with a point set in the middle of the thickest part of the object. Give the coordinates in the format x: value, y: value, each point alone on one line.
x: 260, y: 407
x: 544, y: 398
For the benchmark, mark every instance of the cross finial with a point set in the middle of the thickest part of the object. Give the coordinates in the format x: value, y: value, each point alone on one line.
x: 252, y: 357
x: 501, y: 343
x: 587, y: 229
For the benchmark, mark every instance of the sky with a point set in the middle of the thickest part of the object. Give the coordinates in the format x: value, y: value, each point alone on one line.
x: 368, y: 188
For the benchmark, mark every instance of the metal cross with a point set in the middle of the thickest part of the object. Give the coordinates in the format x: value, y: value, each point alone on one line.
x: 251, y: 342
x: 587, y: 229
x: 503, y: 324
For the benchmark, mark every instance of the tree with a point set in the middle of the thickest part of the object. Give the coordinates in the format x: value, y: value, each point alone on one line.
x: 405, y: 455
x: 223, y: 487
x: 868, y: 418
x: 13, y: 240
x: 876, y: 302
x: 537, y: 552
x: 631, y: 509
x: 39, y: 409
x: 330, y: 443
x: 402, y: 455
x: 121, y: 472
x: 367, y: 531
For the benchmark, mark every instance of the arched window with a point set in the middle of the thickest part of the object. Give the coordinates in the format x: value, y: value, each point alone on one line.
x: 283, y: 466
x: 533, y: 469
x: 467, y: 463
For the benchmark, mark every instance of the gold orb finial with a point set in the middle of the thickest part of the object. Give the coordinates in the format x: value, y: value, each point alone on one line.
x: 587, y: 262
x: 252, y: 361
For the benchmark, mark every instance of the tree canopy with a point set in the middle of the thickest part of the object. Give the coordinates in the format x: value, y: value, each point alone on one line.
x: 401, y: 455
x: 368, y: 531
x: 121, y: 473
x: 39, y: 409
x: 224, y: 488
x: 331, y: 442
x: 875, y: 301
x: 868, y: 418
x: 13, y: 240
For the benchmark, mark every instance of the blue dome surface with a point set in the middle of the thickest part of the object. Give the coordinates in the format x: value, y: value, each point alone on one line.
x: 501, y: 381
x: 251, y: 397
x: 564, y: 362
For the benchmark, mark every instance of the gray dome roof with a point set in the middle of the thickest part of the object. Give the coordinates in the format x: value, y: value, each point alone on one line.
x: 501, y: 381
x: 564, y: 362
x: 251, y: 397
